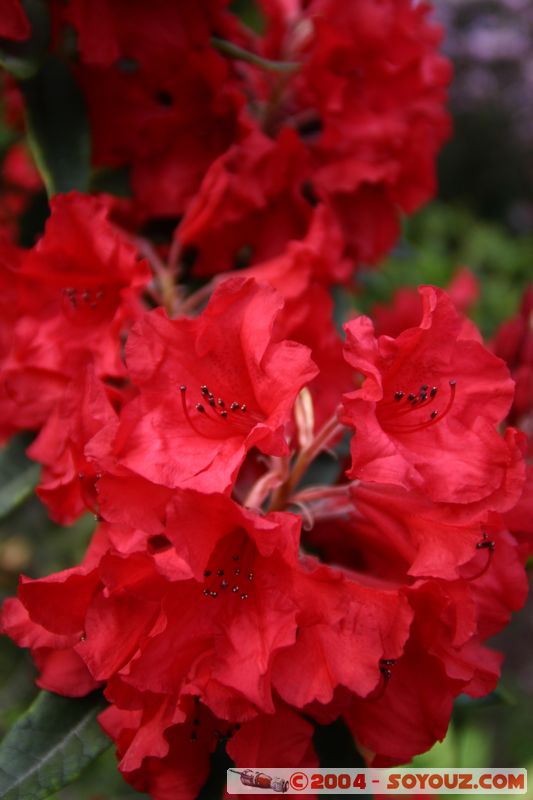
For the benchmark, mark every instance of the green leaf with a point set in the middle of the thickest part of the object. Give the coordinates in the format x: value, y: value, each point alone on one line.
x: 112, y: 181
x: 50, y: 745
x: 18, y: 475
x: 23, y: 59
x: 335, y: 746
x: 58, y: 128
x: 250, y: 14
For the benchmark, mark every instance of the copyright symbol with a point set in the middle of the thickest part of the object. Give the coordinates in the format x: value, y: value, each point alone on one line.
x: 299, y: 781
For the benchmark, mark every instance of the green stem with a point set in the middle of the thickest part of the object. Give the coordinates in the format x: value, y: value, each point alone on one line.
x: 239, y: 53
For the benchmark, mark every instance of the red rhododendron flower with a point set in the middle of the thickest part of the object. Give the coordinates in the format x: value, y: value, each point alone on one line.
x: 431, y: 390
x: 405, y: 310
x: 76, y: 292
x: 354, y: 126
x: 514, y: 343
x: 365, y: 100
x: 178, y: 764
x: 212, y: 388
x: 111, y: 29
x: 253, y: 189
x: 21, y: 181
x: 452, y: 616
x: 293, y: 529
x: 13, y: 21
x: 159, y: 96
x: 67, y: 484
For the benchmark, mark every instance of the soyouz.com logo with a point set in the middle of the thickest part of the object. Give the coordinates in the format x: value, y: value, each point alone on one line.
x: 250, y: 780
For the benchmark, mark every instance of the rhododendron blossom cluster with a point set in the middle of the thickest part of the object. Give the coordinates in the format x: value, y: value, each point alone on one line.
x: 294, y: 524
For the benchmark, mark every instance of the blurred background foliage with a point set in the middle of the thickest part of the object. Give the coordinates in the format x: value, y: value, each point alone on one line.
x: 482, y: 218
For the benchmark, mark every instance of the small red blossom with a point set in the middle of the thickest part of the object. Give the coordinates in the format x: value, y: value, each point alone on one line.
x: 67, y: 485
x: 178, y: 764
x: 14, y: 23
x: 405, y: 310
x: 345, y: 628
x: 21, y: 181
x: 114, y: 29
x: 514, y: 343
x: 76, y: 292
x: 250, y: 202
x: 160, y: 98
x: 210, y: 389
x: 433, y: 390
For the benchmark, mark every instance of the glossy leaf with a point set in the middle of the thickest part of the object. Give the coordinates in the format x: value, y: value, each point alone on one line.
x: 18, y: 475
x: 50, y: 745
x: 58, y: 128
x: 23, y: 59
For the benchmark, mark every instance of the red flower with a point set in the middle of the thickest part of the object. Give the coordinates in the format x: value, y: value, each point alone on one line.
x: 112, y: 29
x: 20, y: 182
x: 519, y: 519
x: 67, y: 485
x: 13, y: 21
x: 245, y: 153
x: 514, y: 343
x: 250, y: 202
x: 451, y: 616
x: 177, y: 765
x: 159, y: 97
x: 76, y: 292
x: 405, y: 310
x: 445, y: 656
x: 345, y: 628
x: 208, y: 599
x: 414, y: 711
x: 363, y: 113
x: 397, y: 532
x: 426, y: 414
x: 210, y: 389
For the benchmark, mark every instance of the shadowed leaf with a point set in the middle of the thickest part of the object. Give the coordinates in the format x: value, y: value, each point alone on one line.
x: 49, y: 746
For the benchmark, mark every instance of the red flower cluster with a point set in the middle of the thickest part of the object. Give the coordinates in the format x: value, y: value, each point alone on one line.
x: 241, y: 581
x: 514, y: 343
x: 245, y: 134
x: 202, y: 615
x: 66, y: 304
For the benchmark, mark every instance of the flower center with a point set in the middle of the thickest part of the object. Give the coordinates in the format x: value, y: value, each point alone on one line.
x: 408, y: 412
x: 76, y: 299
x: 213, y: 418
x: 230, y: 570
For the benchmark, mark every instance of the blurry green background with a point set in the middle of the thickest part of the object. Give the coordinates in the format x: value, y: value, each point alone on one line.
x: 482, y: 219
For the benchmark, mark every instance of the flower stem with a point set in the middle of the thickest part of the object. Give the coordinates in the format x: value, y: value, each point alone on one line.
x: 306, y: 456
x: 240, y: 54
x: 164, y: 276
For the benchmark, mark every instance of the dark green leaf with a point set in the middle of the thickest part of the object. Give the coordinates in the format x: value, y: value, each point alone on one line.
x: 23, y: 59
x: 250, y: 14
x: 50, y: 745
x: 218, y: 773
x: 58, y: 128
x: 335, y: 747
x: 112, y: 181
x: 18, y: 475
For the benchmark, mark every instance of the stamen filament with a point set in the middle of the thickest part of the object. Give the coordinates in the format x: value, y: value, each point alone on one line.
x: 435, y: 415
